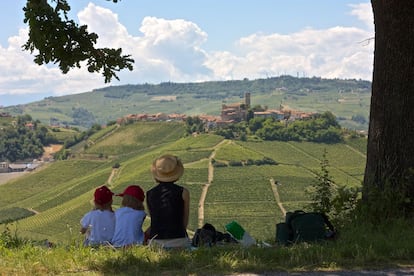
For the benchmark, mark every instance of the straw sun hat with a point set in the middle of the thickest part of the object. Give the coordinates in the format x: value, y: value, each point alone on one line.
x: 167, y: 168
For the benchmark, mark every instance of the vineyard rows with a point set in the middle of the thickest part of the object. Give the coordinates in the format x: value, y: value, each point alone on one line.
x: 62, y: 192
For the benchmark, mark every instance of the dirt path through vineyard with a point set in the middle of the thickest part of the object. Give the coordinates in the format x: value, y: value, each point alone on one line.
x: 207, y: 185
x: 274, y: 184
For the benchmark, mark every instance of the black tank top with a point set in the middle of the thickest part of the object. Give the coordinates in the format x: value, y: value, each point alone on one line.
x: 166, y: 205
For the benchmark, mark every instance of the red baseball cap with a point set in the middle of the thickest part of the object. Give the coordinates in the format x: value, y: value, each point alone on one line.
x: 103, y: 195
x: 135, y: 191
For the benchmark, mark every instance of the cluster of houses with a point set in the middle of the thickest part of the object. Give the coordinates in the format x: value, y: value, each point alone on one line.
x: 230, y: 113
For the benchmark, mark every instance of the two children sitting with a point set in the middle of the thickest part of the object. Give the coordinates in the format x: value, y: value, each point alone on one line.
x: 121, y: 228
x: 168, y: 206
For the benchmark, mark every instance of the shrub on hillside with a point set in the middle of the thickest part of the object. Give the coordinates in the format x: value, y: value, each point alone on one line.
x: 235, y: 163
x: 218, y: 164
x: 265, y: 161
x: 249, y: 162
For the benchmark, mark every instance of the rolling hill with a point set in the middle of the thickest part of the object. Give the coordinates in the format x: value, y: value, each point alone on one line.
x: 349, y: 100
x: 53, y: 199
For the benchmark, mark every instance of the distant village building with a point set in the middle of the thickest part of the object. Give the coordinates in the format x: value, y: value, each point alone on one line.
x: 275, y: 114
x: 177, y: 117
x: 230, y: 113
x: 160, y: 117
x: 300, y: 115
x: 237, y: 111
x: 151, y: 117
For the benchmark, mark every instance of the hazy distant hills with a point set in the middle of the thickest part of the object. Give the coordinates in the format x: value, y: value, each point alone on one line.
x: 349, y: 100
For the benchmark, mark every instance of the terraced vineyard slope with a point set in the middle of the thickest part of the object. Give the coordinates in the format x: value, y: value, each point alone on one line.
x: 55, y: 198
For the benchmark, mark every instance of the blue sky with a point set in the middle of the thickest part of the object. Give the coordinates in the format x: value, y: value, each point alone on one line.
x: 191, y: 41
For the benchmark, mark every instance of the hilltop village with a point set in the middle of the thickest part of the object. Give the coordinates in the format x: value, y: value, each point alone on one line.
x: 230, y: 113
x: 222, y: 125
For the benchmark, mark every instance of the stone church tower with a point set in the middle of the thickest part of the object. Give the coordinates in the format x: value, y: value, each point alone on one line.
x: 247, y: 99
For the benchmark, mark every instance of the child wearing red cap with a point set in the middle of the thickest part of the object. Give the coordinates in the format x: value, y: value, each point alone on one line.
x: 129, y: 218
x: 99, y: 224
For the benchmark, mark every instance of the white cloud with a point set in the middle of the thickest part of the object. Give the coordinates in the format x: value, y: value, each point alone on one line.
x: 105, y: 23
x: 363, y: 12
x: 173, y: 50
x: 167, y: 49
x: 327, y: 53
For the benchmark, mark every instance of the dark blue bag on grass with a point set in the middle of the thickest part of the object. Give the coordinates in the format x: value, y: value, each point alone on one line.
x: 300, y: 226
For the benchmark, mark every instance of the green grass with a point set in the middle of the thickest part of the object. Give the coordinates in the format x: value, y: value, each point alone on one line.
x: 359, y: 247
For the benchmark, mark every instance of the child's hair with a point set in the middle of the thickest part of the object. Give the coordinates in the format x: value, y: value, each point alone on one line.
x: 132, y: 202
x: 106, y: 206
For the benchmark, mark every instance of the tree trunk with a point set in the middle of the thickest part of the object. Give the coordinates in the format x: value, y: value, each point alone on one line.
x: 390, y: 150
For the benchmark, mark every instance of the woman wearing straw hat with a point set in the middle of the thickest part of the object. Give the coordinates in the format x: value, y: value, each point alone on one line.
x: 168, y: 204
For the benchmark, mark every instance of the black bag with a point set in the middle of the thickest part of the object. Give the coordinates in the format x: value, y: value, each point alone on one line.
x: 205, y: 236
x: 300, y: 226
x: 209, y: 236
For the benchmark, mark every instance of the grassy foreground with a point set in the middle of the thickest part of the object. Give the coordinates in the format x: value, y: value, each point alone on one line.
x: 358, y: 246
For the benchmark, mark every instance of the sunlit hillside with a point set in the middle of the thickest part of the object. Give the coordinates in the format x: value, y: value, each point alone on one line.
x: 53, y: 199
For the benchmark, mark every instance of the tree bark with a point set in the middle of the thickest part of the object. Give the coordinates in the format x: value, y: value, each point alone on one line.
x: 390, y: 149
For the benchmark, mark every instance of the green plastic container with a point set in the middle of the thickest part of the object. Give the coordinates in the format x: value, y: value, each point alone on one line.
x: 235, y: 230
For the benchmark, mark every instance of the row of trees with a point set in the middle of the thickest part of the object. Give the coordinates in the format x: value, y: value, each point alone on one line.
x: 234, y: 88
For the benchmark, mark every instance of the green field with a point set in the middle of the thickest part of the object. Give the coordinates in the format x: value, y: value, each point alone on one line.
x: 56, y: 196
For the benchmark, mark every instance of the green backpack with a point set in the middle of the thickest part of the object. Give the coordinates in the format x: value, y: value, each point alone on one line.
x: 300, y: 226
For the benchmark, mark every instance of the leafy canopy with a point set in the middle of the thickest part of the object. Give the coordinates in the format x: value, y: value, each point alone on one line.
x: 61, y: 41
